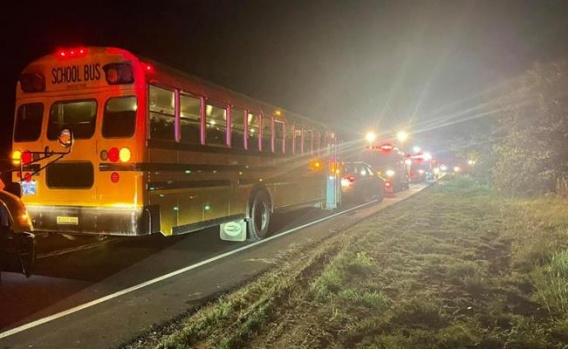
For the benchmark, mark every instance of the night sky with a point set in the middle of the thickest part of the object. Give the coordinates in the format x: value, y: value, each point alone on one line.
x: 354, y: 64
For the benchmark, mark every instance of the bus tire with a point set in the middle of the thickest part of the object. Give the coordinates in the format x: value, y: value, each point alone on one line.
x: 259, y: 216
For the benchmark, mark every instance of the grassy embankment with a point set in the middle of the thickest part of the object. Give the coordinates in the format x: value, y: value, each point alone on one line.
x: 452, y: 267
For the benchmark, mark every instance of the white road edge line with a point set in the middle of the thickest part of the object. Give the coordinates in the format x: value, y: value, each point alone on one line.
x: 167, y: 276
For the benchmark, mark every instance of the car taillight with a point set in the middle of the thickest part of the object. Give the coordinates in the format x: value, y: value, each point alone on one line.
x: 347, y: 181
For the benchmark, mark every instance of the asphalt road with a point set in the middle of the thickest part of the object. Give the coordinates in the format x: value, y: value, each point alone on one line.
x: 103, y: 296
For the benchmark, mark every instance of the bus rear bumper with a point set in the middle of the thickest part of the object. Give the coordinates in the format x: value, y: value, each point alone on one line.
x: 118, y: 221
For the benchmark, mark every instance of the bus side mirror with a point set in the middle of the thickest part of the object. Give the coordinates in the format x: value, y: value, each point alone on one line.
x: 65, y: 138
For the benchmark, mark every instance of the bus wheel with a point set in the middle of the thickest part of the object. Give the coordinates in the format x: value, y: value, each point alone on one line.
x: 259, y: 216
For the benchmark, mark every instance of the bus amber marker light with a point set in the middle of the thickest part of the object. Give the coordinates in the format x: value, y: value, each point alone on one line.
x: 16, y: 157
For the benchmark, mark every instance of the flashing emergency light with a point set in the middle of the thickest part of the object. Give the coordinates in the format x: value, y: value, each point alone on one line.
x: 386, y: 147
x: 315, y: 165
x: 72, y: 52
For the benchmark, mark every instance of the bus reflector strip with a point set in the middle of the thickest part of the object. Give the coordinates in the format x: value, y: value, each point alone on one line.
x: 114, y: 177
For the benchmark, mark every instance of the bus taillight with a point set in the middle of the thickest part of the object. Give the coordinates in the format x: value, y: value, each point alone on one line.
x: 26, y: 157
x: 114, y: 154
x: 114, y: 177
x: 124, y: 155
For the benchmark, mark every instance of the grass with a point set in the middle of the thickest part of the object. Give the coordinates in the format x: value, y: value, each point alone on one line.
x: 455, y: 266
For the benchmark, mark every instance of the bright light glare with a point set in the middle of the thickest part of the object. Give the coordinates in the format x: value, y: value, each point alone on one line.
x: 427, y: 156
x: 390, y: 173
x: 370, y: 136
x: 416, y: 149
x: 402, y: 136
x: 444, y: 168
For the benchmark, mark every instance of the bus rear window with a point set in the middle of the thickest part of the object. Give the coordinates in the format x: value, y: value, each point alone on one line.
x: 78, y: 116
x: 119, y: 120
x: 28, y: 122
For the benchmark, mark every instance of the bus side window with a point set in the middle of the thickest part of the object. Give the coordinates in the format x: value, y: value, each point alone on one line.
x: 289, y: 139
x: 317, y: 138
x: 279, y: 136
x: 162, y: 113
x: 190, y: 119
x: 253, y: 131
x: 266, y: 134
x: 298, y: 140
x: 308, y: 142
x: 215, y: 125
x: 237, y: 128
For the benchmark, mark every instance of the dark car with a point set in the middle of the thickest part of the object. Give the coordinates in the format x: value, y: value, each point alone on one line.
x: 16, y: 239
x: 360, y: 182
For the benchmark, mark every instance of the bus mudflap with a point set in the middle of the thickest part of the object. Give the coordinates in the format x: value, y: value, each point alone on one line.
x: 17, y: 251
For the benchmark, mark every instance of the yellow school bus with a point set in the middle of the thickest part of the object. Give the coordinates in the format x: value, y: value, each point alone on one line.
x: 159, y: 151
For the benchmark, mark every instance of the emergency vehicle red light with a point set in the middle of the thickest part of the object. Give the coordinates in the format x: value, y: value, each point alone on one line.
x: 148, y: 67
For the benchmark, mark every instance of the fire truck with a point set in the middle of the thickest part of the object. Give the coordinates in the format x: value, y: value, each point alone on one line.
x: 389, y: 161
